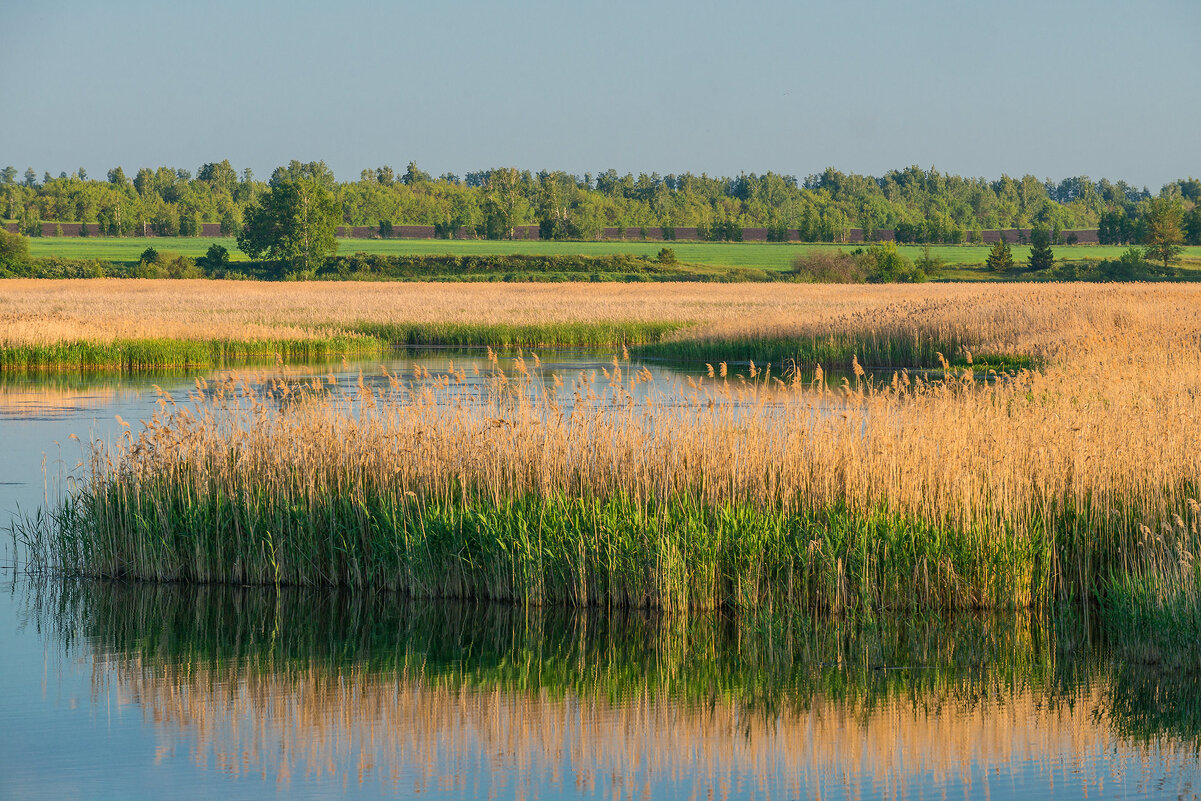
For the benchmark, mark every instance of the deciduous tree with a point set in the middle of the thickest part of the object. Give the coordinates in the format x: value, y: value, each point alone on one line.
x: 1164, y: 235
x: 294, y: 223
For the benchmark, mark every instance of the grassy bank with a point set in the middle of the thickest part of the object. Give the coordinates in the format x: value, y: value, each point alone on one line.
x: 769, y: 256
x: 840, y: 351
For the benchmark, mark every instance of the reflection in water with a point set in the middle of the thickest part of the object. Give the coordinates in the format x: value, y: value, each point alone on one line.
x: 485, y: 700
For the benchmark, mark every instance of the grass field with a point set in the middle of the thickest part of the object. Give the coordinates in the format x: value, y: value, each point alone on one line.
x: 762, y: 255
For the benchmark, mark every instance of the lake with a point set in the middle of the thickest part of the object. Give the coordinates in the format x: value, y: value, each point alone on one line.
x: 150, y: 691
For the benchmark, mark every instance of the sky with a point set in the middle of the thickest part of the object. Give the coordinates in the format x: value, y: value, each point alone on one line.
x: 1055, y: 88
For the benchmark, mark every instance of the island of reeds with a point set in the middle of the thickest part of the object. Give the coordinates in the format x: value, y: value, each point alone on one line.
x: 758, y: 485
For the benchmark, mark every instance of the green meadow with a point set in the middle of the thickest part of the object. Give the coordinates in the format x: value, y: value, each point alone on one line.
x: 777, y: 256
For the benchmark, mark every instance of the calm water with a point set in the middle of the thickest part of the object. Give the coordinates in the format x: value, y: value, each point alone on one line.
x: 138, y: 691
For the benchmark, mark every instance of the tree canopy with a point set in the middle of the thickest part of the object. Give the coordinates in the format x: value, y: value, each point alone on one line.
x: 920, y: 205
x: 295, y: 221
x: 1164, y: 234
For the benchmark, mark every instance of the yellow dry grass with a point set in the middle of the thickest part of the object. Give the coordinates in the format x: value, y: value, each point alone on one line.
x: 1003, y: 318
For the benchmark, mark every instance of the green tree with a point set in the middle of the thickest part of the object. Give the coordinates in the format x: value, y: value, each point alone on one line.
x: 215, y: 259
x: 1000, y: 258
x: 14, y: 250
x: 1041, y: 256
x: 501, y: 203
x: 1164, y: 235
x: 1192, y: 226
x: 116, y: 177
x: 293, y: 224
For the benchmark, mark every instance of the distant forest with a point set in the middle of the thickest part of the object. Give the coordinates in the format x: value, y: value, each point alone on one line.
x: 918, y: 205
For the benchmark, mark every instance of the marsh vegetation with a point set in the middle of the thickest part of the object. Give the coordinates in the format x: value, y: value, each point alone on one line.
x: 752, y: 486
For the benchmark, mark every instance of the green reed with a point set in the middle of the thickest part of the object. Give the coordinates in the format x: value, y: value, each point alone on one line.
x: 561, y: 334
x: 914, y: 349
x: 156, y: 353
x: 616, y: 551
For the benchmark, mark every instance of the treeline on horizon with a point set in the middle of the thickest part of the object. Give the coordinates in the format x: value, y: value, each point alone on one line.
x: 918, y: 205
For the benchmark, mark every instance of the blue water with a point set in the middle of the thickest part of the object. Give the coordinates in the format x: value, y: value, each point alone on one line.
x: 139, y: 691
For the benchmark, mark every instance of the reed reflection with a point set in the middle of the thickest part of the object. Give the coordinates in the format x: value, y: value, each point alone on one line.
x: 293, y: 686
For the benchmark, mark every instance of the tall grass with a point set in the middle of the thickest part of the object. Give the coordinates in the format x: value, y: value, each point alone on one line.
x: 747, y: 492
x: 529, y: 335
x: 157, y: 353
x: 748, y: 488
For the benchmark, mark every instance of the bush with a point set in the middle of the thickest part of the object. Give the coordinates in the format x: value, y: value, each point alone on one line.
x: 59, y: 267
x: 177, y: 265
x: 884, y: 264
x: 666, y: 256
x: 14, y: 251
x: 828, y: 267
x: 149, y: 256
x: 215, y: 261
x: 932, y: 266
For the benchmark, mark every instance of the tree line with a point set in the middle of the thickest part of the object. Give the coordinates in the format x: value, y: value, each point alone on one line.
x: 923, y: 206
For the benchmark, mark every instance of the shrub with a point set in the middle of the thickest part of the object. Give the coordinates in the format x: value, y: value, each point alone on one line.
x: 932, y: 266
x: 177, y: 265
x: 149, y: 256
x: 828, y: 267
x: 884, y: 264
x: 215, y: 261
x: 14, y: 250
x: 666, y: 256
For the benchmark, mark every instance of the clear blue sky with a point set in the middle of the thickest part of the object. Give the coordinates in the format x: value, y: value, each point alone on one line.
x: 1106, y: 88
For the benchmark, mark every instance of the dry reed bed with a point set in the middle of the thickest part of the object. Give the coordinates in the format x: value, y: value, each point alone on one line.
x: 1076, y: 481
x: 1018, y: 318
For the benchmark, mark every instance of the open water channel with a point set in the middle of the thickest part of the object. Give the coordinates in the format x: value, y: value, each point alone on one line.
x: 129, y: 691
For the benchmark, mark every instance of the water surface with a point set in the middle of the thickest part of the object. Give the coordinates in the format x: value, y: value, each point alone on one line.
x: 142, y: 691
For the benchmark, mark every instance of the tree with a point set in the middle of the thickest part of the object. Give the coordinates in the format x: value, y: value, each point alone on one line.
x: 1000, y: 258
x: 219, y: 175
x: 294, y: 223
x: 501, y: 203
x: 1163, y: 236
x: 8, y: 175
x: 1041, y: 256
x: 116, y: 177
x: 215, y: 259
x: 14, y: 250
x: 1192, y: 226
